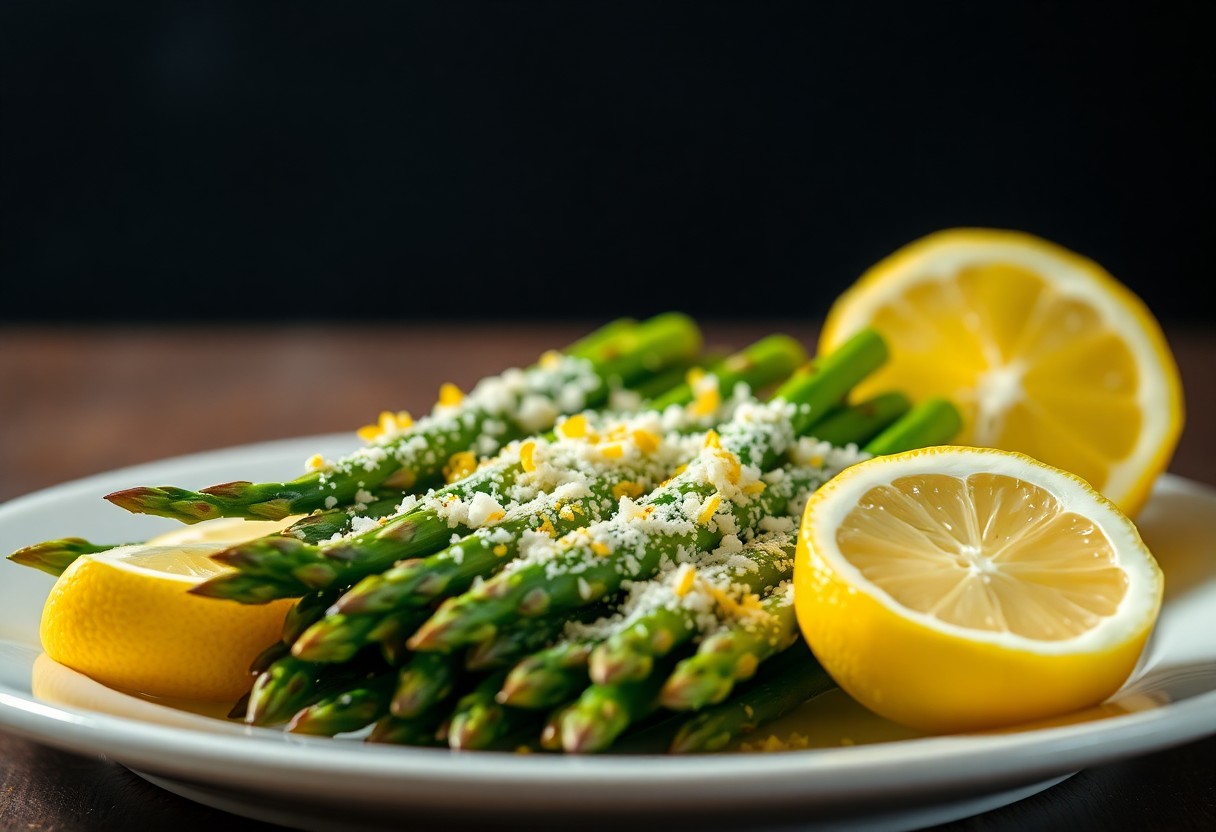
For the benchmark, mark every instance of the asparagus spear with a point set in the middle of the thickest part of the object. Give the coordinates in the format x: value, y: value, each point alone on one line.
x: 479, y: 721
x: 338, y: 643
x: 514, y: 403
x: 672, y: 522
x: 289, y: 684
x: 422, y: 731
x: 360, y: 705
x: 732, y: 654
x: 549, y: 676
x: 603, y: 712
x: 782, y: 684
x: 532, y: 634
x: 54, y: 556
x: 424, y: 681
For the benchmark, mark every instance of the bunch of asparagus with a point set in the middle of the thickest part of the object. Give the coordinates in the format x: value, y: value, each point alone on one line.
x: 591, y: 554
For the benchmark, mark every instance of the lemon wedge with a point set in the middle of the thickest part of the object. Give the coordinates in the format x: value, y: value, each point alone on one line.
x: 124, y: 618
x: 1042, y: 349
x: 956, y: 588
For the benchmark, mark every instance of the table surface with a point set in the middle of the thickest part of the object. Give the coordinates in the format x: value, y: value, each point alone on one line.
x: 78, y: 401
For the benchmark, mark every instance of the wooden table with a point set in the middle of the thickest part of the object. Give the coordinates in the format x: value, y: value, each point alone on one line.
x: 78, y: 401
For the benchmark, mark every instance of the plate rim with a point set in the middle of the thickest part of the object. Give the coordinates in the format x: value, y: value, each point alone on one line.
x: 813, y: 776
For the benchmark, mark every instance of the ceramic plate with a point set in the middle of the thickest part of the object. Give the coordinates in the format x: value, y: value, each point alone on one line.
x: 859, y: 773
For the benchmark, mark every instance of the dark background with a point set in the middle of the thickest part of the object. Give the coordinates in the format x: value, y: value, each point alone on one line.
x: 400, y: 161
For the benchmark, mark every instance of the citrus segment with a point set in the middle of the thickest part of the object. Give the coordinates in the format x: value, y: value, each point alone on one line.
x: 124, y: 618
x: 1044, y: 351
x: 961, y: 588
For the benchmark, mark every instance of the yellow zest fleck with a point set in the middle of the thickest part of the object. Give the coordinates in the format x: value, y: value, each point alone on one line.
x: 500, y: 549
x: 527, y: 453
x: 450, y: 395
x: 708, y: 400
x: 571, y: 537
x: 754, y: 487
x: 746, y: 666
x: 626, y: 488
x: 494, y: 517
x: 815, y: 461
x: 707, y: 510
x: 746, y: 607
x: 547, y: 528
x: 600, y: 548
x: 574, y: 427
x: 566, y: 513
x: 460, y: 465
x: 550, y: 360
x: 712, y: 440
x: 647, y: 441
x: 381, y: 521
x: 387, y: 423
x: 612, y: 451
x: 694, y: 376
x: 315, y: 462
x: 617, y: 432
x: 685, y: 579
x: 735, y: 469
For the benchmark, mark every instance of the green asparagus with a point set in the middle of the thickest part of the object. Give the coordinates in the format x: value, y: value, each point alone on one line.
x: 358, y: 706
x: 511, y: 404
x: 782, y: 684
x: 277, y: 566
x: 670, y: 523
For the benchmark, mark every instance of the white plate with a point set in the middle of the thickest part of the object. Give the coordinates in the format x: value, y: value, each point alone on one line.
x: 321, y: 783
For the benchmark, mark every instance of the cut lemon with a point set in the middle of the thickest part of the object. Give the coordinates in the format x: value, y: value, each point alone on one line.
x: 124, y: 618
x: 956, y: 588
x: 1042, y: 349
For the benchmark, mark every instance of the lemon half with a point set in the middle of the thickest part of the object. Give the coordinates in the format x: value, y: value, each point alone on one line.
x: 1042, y: 349
x: 124, y: 618
x: 957, y: 588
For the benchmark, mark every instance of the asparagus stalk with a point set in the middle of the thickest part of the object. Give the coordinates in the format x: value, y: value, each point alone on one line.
x: 422, y: 732
x: 604, y: 712
x: 415, y: 457
x: 532, y: 634
x: 732, y: 654
x: 549, y: 676
x: 353, y: 709
x: 424, y: 681
x: 54, y: 556
x: 346, y: 637
x: 288, y: 684
x: 479, y: 721
x: 781, y: 685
